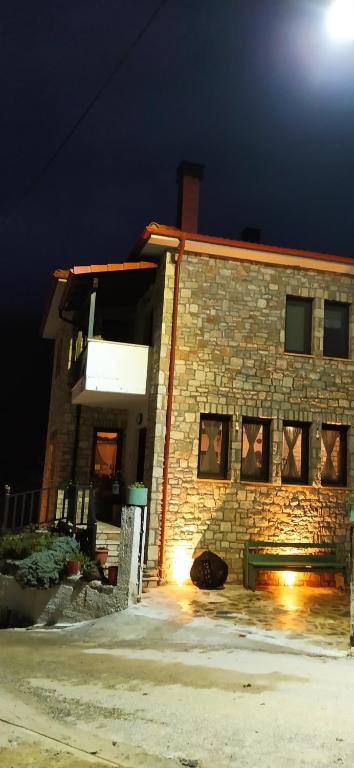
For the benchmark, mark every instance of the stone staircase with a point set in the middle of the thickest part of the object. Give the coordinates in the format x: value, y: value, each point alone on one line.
x: 108, y: 536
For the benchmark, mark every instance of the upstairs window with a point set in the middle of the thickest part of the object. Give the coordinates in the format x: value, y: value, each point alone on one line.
x: 295, y: 453
x: 336, y: 325
x: 213, y: 446
x: 333, y: 455
x: 255, y: 450
x: 298, y: 324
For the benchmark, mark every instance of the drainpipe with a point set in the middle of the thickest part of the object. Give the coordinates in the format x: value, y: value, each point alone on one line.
x: 171, y: 374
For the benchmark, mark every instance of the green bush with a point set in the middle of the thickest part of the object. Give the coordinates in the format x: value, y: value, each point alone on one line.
x: 43, y: 569
x: 17, y: 546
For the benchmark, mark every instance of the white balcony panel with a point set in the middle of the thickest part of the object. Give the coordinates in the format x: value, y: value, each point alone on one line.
x: 116, y: 374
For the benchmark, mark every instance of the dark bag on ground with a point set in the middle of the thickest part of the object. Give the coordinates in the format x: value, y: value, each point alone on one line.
x: 209, y: 571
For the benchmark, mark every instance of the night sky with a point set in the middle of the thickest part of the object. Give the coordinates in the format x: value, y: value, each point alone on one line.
x: 252, y: 88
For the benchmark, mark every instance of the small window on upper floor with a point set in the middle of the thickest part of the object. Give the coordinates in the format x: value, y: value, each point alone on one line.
x: 333, y: 455
x: 213, y: 446
x: 255, y: 450
x: 336, y: 329
x: 298, y: 325
x: 295, y: 453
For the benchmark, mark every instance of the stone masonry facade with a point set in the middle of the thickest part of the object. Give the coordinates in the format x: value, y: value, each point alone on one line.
x: 230, y: 360
x: 157, y: 402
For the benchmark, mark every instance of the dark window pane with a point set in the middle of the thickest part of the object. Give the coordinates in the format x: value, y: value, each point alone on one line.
x: 213, y: 446
x: 336, y: 321
x: 295, y: 453
x: 255, y: 450
x: 298, y: 325
x: 333, y: 455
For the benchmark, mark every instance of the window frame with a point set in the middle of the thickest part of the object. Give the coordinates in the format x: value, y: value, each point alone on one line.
x: 119, y: 444
x: 343, y: 454
x: 305, y: 453
x: 346, y: 307
x: 308, y: 303
x: 225, y: 445
x: 266, y: 424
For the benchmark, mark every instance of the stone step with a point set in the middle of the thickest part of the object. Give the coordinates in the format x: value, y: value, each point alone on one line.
x: 111, y: 541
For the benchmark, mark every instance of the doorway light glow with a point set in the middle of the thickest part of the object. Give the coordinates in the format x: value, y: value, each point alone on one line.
x: 340, y: 20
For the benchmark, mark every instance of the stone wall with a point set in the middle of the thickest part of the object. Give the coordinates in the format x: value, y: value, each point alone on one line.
x: 69, y: 602
x: 230, y: 360
x: 74, y: 600
x: 156, y: 421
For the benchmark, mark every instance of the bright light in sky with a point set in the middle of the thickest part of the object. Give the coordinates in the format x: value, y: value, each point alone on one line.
x: 340, y: 20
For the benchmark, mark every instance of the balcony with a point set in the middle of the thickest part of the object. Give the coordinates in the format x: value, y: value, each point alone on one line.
x: 110, y: 374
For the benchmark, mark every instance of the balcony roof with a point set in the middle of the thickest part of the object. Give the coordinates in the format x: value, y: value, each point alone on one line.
x: 131, y: 276
x: 71, y: 286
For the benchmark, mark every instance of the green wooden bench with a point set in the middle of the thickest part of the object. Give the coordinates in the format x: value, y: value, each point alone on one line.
x: 270, y: 556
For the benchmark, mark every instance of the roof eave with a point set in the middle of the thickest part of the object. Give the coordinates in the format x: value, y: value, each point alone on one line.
x: 157, y: 238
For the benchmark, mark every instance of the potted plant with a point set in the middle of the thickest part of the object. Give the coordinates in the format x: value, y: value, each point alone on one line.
x: 74, y: 563
x: 137, y: 495
x: 101, y: 555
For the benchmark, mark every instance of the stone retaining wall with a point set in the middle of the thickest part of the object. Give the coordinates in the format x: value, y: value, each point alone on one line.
x: 71, y: 601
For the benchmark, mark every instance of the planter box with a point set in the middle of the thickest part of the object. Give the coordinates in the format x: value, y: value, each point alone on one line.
x: 137, y: 497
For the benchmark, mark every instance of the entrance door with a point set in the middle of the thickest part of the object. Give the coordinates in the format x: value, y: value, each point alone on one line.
x: 106, y: 466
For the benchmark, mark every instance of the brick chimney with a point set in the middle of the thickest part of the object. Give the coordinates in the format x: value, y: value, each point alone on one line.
x: 189, y: 176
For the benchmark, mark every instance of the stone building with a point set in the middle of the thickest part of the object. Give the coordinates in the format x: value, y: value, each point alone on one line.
x: 218, y: 371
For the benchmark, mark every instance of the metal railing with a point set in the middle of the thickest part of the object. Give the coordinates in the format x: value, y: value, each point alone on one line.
x: 78, y: 367
x: 71, y: 508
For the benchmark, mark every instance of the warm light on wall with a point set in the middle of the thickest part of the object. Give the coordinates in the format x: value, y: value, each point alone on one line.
x: 181, y: 563
x: 289, y: 578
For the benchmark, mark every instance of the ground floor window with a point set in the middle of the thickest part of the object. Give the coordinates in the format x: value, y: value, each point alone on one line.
x: 213, y: 446
x: 255, y: 449
x: 333, y: 455
x: 295, y: 453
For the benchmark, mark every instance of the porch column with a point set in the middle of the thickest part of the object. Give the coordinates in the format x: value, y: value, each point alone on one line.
x: 91, y: 321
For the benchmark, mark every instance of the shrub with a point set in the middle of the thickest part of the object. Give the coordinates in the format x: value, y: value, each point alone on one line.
x: 17, y: 546
x: 43, y: 569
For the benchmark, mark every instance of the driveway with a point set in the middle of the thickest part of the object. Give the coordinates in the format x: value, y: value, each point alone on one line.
x: 186, y: 678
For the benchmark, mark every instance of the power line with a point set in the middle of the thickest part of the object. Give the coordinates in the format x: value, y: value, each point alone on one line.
x: 103, y: 87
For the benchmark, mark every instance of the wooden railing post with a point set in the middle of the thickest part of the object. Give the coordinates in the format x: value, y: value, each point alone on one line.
x: 71, y: 495
x: 6, y: 507
x: 91, y: 523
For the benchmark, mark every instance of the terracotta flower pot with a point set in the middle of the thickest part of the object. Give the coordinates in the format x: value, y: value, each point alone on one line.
x: 101, y: 555
x: 73, y: 567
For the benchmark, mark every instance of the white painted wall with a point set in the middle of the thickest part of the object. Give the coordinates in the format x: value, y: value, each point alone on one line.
x: 116, y: 367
